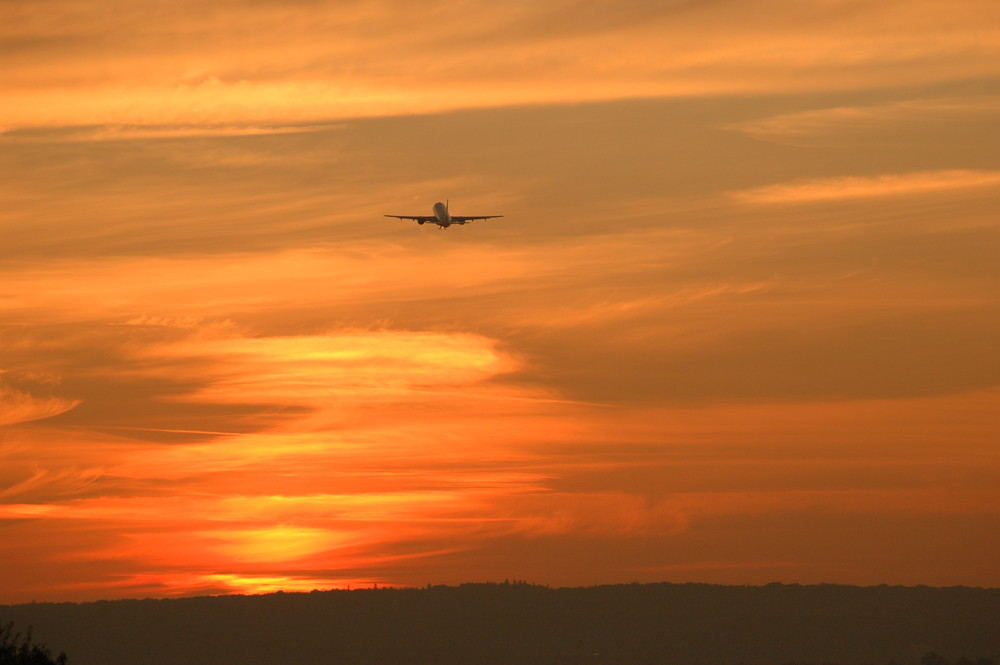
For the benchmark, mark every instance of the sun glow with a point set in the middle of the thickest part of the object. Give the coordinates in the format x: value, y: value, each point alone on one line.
x: 276, y: 544
x: 250, y: 584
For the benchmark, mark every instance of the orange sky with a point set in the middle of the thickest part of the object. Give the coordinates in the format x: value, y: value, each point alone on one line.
x: 737, y: 325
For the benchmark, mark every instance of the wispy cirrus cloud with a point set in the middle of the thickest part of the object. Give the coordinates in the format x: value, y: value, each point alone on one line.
x: 815, y: 124
x: 177, y: 64
x: 861, y: 187
x: 277, y: 388
x: 373, y: 451
x: 19, y: 406
x: 139, y: 132
x: 42, y: 293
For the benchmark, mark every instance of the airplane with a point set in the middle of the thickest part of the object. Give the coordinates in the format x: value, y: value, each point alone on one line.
x: 442, y: 217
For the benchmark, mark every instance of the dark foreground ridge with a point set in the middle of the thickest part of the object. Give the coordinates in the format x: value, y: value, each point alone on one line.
x: 524, y: 624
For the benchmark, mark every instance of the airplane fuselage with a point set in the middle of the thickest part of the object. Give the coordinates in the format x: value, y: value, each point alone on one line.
x: 441, y: 213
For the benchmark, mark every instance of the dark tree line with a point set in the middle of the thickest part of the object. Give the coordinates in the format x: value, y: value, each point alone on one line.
x: 929, y: 658
x: 18, y: 649
x: 500, y: 624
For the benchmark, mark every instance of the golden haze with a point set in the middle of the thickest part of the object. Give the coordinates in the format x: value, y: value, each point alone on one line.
x: 737, y: 325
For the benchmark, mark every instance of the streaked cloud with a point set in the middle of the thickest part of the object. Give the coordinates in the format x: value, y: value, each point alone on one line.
x: 860, y: 187
x: 178, y: 64
x: 139, y: 132
x: 18, y: 406
x: 807, y: 126
x: 280, y: 280
x: 346, y: 363
x: 224, y: 371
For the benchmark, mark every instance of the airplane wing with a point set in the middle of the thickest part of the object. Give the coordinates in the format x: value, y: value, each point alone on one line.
x: 416, y: 218
x: 463, y: 220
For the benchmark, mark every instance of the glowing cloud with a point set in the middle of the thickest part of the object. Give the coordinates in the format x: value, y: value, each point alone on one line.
x: 17, y: 406
x: 831, y: 189
x: 803, y: 126
x: 315, y: 369
x: 224, y: 370
x: 264, y: 65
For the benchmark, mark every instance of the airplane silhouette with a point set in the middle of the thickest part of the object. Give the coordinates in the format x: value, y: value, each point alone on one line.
x: 442, y: 217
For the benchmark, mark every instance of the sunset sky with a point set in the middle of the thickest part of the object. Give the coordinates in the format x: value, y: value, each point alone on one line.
x: 738, y: 324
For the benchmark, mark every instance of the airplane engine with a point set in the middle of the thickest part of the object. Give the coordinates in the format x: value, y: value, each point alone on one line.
x: 420, y: 221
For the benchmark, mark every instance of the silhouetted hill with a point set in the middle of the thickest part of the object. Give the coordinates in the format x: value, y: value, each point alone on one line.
x: 522, y: 624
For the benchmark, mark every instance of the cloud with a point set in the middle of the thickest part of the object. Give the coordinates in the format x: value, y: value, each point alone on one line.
x: 389, y: 438
x: 132, y: 132
x: 592, y: 515
x: 45, y: 484
x: 177, y: 64
x: 77, y: 289
x: 18, y: 406
x: 806, y: 126
x: 267, y: 371
x: 861, y: 187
